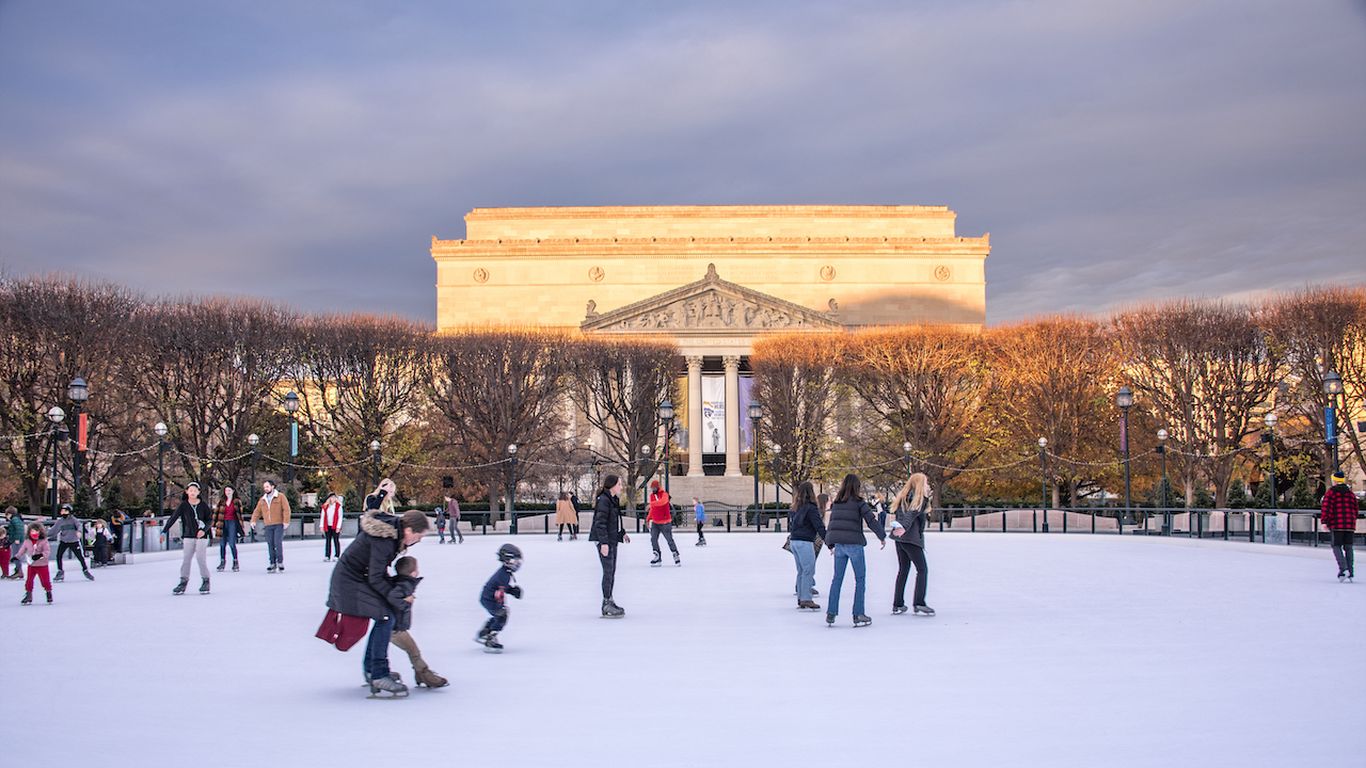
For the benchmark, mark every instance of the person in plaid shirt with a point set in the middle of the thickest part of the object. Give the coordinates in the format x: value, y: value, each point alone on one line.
x: 1339, y: 514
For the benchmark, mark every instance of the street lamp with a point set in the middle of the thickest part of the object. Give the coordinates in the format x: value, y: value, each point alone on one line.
x: 666, y: 414
x: 1163, y: 501
x: 1043, y: 480
x: 593, y: 461
x: 78, y: 391
x: 512, y: 487
x: 1332, y: 387
x: 160, y: 430
x: 906, y: 453
x: 374, y: 454
x: 291, y: 408
x: 777, y: 487
x: 756, y: 414
x: 254, y: 441
x: 1270, y: 422
x: 55, y: 415
x: 1124, y: 398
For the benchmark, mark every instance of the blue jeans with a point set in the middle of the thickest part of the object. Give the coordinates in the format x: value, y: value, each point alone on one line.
x: 229, y: 540
x: 853, y: 555
x: 805, y: 555
x: 375, y: 662
x: 275, y: 544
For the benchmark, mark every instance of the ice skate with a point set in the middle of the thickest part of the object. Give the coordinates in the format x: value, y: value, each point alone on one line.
x: 657, y: 561
x: 481, y: 636
x: 677, y: 560
x: 61, y: 576
x: 271, y: 569
x: 829, y: 619
x: 235, y: 569
x: 387, y: 688
x: 924, y: 610
x: 49, y: 597
x: 1342, y: 576
x: 491, y: 644
x: 204, y: 587
x: 280, y: 568
x: 180, y: 588
x: 426, y: 678
x: 611, y: 610
x: 897, y: 610
x: 88, y: 575
x: 862, y: 621
x: 221, y: 565
x: 815, y: 592
x: 28, y: 599
x: 807, y: 605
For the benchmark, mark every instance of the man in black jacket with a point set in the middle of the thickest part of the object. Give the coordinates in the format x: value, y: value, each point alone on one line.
x: 196, y: 533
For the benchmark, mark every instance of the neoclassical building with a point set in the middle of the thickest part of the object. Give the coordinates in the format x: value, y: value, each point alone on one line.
x: 713, y: 278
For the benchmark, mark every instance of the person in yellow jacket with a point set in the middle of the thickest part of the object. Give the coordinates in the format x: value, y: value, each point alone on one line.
x: 273, y: 509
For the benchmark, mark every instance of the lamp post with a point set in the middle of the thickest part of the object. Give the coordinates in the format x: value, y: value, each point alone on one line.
x: 55, y: 414
x: 160, y: 430
x: 1124, y: 398
x: 78, y: 391
x: 645, y: 452
x: 1332, y: 387
x: 512, y: 487
x: 1162, y: 500
x: 1270, y: 421
x: 666, y: 415
x: 374, y: 458
x: 756, y: 414
x: 291, y: 408
x: 254, y: 441
x: 1043, y: 480
x: 906, y: 454
x: 777, y: 488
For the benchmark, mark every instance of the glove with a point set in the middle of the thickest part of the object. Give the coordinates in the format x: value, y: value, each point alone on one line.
x: 515, y: 591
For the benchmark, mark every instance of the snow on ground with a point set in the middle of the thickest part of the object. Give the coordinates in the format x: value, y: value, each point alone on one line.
x: 1047, y: 650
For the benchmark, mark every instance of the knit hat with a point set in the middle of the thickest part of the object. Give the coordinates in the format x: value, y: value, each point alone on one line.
x: 1339, y: 478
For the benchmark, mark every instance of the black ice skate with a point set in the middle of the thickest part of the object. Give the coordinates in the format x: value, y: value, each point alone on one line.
x: 204, y: 587
x: 482, y: 636
x: 271, y: 569
x: 387, y: 688
x: 49, y: 597
x: 88, y: 575
x: 221, y: 565
x: 677, y: 561
x: 829, y: 619
x: 862, y: 621
x: 61, y: 576
x: 28, y: 599
x: 611, y: 610
x: 897, y: 610
x: 657, y: 561
x: 924, y: 610
x: 491, y: 644
x: 180, y: 588
x: 235, y: 569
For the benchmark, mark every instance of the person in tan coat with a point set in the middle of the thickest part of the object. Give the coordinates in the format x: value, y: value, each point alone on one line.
x: 273, y: 509
x: 566, y: 515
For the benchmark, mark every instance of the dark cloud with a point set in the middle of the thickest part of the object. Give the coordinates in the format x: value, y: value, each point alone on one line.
x: 1116, y: 153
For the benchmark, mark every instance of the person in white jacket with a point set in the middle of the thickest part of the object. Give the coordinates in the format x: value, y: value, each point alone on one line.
x: 331, y: 523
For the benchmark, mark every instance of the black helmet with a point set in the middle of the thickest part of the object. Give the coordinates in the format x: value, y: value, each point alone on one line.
x: 511, y: 556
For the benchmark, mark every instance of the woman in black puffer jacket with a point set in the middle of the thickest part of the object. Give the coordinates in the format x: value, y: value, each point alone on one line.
x: 607, y: 533
x: 360, y: 582
x: 844, y: 537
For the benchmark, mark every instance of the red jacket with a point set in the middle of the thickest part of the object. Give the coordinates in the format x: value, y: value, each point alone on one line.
x: 660, y: 511
x: 1339, y: 509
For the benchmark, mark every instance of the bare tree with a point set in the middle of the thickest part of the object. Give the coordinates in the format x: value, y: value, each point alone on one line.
x: 618, y: 386
x: 795, y: 380
x: 1204, y: 371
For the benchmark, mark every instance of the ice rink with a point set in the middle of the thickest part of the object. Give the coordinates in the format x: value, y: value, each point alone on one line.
x: 1047, y: 650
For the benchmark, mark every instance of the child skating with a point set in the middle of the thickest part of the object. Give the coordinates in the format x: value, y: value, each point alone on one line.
x: 494, y: 597
x: 405, y: 581
x: 38, y: 552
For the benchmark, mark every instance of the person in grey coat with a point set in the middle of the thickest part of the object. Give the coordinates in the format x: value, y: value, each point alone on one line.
x: 68, y: 530
x: 912, y: 505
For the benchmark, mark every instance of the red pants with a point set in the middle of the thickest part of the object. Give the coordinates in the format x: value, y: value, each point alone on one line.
x: 4, y: 561
x: 41, y: 572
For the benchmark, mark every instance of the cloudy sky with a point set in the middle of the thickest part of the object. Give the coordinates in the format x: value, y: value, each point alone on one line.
x: 307, y: 151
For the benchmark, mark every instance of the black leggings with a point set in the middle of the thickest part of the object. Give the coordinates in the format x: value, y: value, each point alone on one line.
x: 331, y: 540
x: 609, y: 570
x: 70, y: 546
x: 573, y: 529
x: 906, y: 554
x: 700, y: 537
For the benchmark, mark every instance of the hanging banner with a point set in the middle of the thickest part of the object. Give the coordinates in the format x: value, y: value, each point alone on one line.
x: 713, y: 414
x: 81, y: 431
x: 293, y: 439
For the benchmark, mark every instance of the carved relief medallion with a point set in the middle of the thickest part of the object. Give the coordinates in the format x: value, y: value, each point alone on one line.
x: 481, y: 275
x: 827, y: 273
x: 941, y: 273
x: 596, y: 274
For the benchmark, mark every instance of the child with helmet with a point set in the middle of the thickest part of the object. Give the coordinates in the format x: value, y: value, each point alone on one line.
x: 494, y: 597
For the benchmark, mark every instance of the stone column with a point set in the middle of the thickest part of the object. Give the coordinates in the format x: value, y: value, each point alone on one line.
x: 732, y: 415
x: 694, y: 417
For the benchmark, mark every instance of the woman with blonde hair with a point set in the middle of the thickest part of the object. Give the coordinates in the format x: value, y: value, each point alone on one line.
x: 912, y: 505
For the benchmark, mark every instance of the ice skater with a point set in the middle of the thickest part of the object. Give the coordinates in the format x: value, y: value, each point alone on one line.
x: 330, y: 518
x: 804, y: 521
x: 227, y: 526
x: 68, y: 530
x: 453, y: 517
x: 273, y: 509
x: 494, y: 597
x: 1338, y: 512
x: 441, y: 518
x: 39, y: 552
x: 360, y: 583
x: 700, y: 515
x: 607, y: 533
x: 844, y: 537
x: 566, y: 515
x: 661, y: 521
x: 14, y: 525
x: 196, y: 533
x: 401, y: 593
x: 912, y: 505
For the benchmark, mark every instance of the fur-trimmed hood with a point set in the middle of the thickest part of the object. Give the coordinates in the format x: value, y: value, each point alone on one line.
x: 379, y: 525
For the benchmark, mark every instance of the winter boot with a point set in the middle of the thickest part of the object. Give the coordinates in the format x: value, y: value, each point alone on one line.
x: 429, y: 679
x: 387, y: 688
x: 204, y: 587
x: 924, y: 610
x: 807, y: 605
x: 28, y: 599
x: 491, y: 644
x: 862, y: 621
x: 180, y: 588
x: 221, y: 565
x: 88, y: 575
x: 61, y: 576
x: 657, y: 561
x: 234, y: 566
x: 611, y: 610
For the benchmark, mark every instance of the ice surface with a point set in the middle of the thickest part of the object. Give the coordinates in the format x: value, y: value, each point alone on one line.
x: 1047, y: 650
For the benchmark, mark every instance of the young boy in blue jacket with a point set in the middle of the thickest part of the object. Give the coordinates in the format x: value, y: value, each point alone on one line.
x: 494, y: 597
